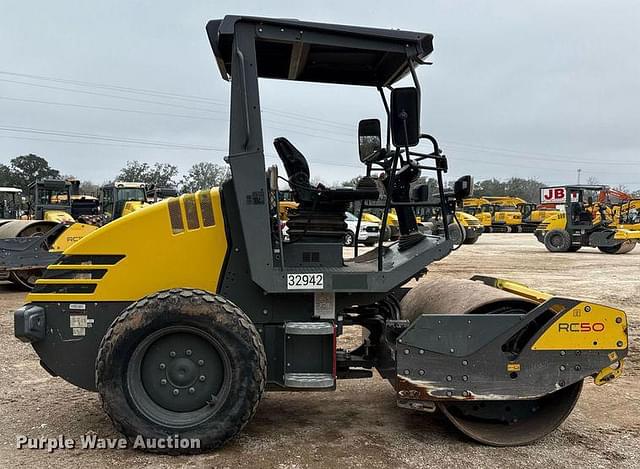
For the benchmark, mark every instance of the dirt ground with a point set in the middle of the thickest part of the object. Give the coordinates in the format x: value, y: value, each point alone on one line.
x: 359, y: 424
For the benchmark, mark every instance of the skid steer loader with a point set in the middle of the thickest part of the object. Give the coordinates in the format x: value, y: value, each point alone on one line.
x: 59, y: 216
x: 221, y: 309
x: 582, y: 223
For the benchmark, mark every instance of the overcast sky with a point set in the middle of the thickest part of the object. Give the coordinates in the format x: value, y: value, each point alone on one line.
x: 517, y: 88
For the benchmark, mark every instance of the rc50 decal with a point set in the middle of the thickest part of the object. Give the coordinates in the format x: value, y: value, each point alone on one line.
x: 585, y: 326
x: 580, y: 327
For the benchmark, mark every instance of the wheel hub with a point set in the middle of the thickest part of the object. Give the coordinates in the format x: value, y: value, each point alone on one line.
x: 180, y: 371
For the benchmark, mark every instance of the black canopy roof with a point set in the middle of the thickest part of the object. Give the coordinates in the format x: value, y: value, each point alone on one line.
x: 290, y: 49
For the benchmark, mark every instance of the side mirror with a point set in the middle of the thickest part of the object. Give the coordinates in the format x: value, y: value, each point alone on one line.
x: 405, y: 117
x: 420, y: 193
x: 369, y: 139
x: 463, y: 187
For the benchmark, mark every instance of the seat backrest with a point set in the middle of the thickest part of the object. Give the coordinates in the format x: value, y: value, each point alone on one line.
x: 295, y: 164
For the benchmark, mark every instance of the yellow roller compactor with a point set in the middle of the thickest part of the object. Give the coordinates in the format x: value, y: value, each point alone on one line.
x: 183, y: 314
x: 58, y: 216
x: 582, y: 224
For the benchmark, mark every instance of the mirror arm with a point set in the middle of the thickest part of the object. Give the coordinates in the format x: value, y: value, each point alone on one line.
x: 414, y: 76
x: 388, y: 112
x: 387, y: 205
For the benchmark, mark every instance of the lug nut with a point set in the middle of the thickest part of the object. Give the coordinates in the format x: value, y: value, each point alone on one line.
x: 421, y: 372
x: 200, y: 362
x: 406, y: 372
x: 188, y: 352
x: 452, y: 350
x: 562, y: 368
x: 202, y: 378
x: 176, y: 392
x: 465, y: 362
x: 406, y: 351
x: 163, y: 381
x: 421, y: 352
x: 449, y: 378
x: 162, y: 366
x: 578, y: 367
x: 192, y: 390
x: 465, y: 377
x: 172, y: 354
x: 562, y: 353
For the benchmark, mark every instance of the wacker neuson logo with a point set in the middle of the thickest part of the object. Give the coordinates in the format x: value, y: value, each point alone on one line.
x: 92, y: 441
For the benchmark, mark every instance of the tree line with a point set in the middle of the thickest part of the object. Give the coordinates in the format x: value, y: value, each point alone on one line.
x: 25, y: 169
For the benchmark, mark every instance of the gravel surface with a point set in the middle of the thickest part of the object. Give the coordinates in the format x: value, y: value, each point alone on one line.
x: 359, y: 424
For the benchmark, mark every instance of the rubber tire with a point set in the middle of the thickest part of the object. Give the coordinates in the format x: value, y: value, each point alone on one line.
x: 457, y: 235
x: 214, y: 315
x: 565, y: 239
x: 346, y: 238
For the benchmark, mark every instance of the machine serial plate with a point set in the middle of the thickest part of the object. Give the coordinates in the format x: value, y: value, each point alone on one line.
x: 305, y: 281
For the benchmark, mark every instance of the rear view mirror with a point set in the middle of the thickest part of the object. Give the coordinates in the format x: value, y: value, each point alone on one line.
x: 405, y: 117
x: 463, y: 187
x: 369, y: 139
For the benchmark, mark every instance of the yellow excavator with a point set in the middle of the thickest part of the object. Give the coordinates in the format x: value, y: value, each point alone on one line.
x: 622, y: 208
x: 506, y: 217
x: 627, y: 214
x: 29, y: 244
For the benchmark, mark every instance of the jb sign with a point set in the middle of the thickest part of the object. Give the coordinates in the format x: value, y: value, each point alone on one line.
x: 556, y: 195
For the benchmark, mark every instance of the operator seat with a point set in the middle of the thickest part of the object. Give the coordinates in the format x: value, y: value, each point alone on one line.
x: 297, y: 170
x: 320, y: 216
